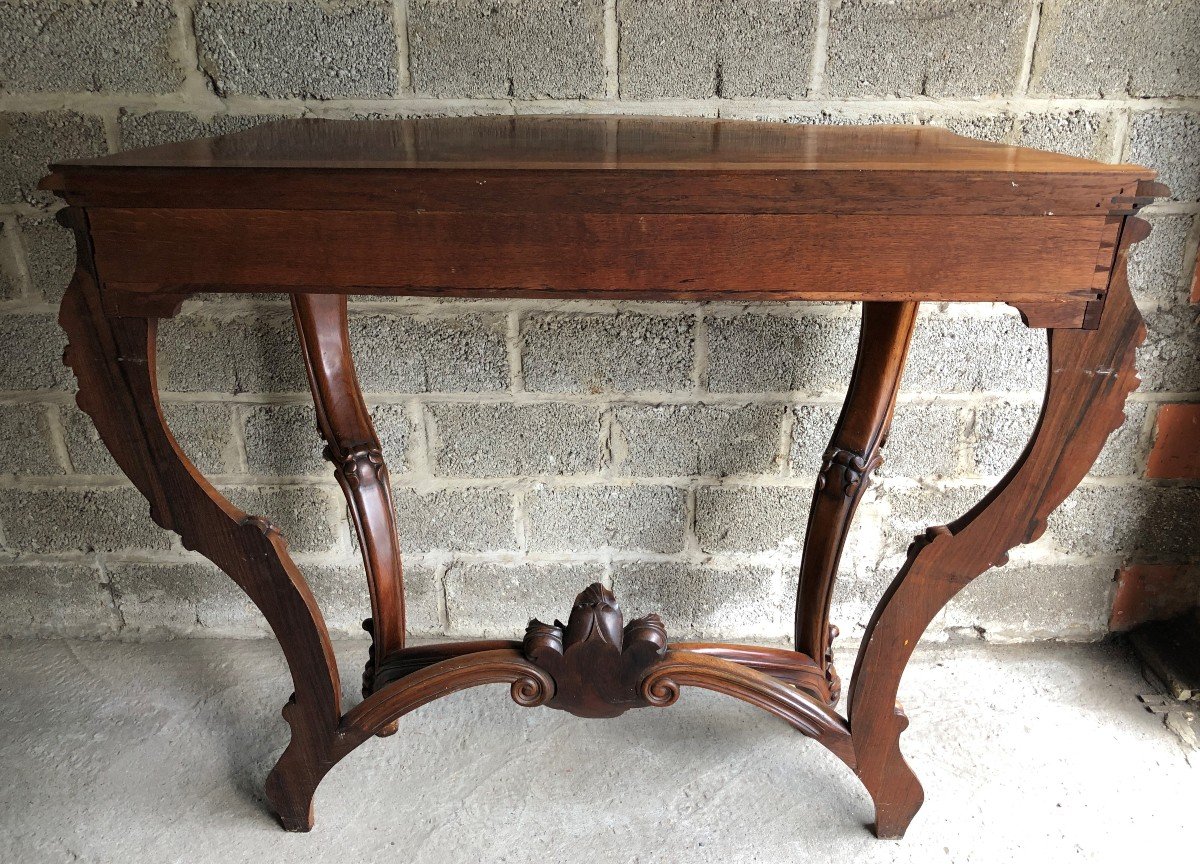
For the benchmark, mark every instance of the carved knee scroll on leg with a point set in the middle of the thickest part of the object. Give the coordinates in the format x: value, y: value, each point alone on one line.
x: 114, y: 361
x: 1091, y: 373
x: 354, y: 449
x: 854, y: 452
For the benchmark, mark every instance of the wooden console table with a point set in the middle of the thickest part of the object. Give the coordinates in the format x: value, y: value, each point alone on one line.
x: 596, y: 207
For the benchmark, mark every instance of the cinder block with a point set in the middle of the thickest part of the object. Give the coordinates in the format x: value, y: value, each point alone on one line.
x: 1125, y: 520
x: 1169, y: 360
x: 906, y: 513
x: 855, y: 596
x: 811, y: 431
x: 590, y: 518
x: 1158, y: 272
x: 341, y: 592
x: 1110, y: 48
x: 498, y: 440
x: 697, y: 49
x: 303, y: 514
x: 63, y: 520
x: 698, y: 601
x: 984, y: 127
x: 947, y: 48
x: 170, y: 599
x: 689, y: 440
x: 1170, y: 142
x: 455, y: 520
x: 1077, y: 133
x: 394, y: 429
x: 839, y: 116
x: 25, y: 446
x: 49, y: 255
x: 340, y: 589
x: 204, y: 431
x: 282, y: 440
x: 303, y: 48
x: 173, y: 599
x: 1003, y: 429
x: 924, y: 441
x: 1001, y: 432
x: 29, y: 142
x: 237, y: 354
x: 524, y: 49
x: 500, y: 599
x: 43, y: 600
x: 86, y: 451
x: 429, y: 354
x: 51, y: 45
x: 164, y: 127
x: 964, y: 354
x: 31, y: 349
x: 780, y: 353
x: 628, y: 351
x: 752, y: 518
x: 1026, y: 603
x: 421, y: 593
x: 12, y: 266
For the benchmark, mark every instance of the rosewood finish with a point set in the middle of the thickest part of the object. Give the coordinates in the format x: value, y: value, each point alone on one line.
x: 657, y: 208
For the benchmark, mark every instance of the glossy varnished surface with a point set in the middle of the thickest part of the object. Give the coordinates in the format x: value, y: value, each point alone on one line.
x: 596, y: 164
x: 598, y: 143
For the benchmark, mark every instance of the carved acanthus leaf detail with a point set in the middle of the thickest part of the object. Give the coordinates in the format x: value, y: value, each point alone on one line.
x: 596, y: 664
x: 851, y: 468
x: 360, y: 465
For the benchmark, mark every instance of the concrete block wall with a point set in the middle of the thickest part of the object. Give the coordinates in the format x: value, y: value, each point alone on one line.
x: 666, y: 449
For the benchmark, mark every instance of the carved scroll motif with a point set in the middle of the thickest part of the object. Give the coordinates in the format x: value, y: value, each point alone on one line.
x: 848, y: 467
x: 361, y: 465
x: 596, y: 664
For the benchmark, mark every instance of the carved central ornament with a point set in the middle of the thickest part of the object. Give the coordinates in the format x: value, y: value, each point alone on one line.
x: 597, y: 665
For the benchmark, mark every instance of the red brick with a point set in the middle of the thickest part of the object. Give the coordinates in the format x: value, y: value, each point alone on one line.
x: 1176, y: 452
x: 1153, y: 592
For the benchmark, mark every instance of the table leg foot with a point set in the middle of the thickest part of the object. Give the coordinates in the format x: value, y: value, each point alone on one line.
x: 293, y: 781
x: 891, y: 783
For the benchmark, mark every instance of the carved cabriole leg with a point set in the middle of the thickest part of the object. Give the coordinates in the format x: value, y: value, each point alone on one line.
x: 114, y: 361
x: 853, y: 453
x: 353, y: 448
x: 1091, y: 373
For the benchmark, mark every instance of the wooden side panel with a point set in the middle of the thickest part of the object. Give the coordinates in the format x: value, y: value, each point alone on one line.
x: 985, y: 258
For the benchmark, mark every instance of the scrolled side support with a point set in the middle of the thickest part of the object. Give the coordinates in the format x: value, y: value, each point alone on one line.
x: 1090, y: 374
x: 113, y: 357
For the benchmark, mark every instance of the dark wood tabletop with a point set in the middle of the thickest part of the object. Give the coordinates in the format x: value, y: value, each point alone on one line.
x: 603, y: 164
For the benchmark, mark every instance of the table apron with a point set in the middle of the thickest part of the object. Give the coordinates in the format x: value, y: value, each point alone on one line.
x: 707, y: 256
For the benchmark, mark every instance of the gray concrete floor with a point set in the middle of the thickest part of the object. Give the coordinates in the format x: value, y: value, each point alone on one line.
x: 156, y: 753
